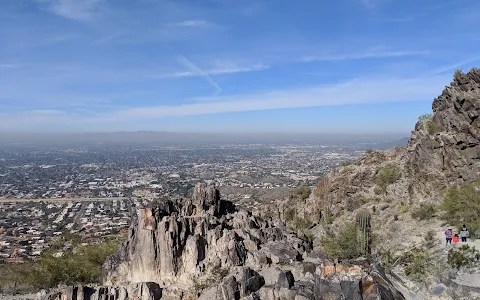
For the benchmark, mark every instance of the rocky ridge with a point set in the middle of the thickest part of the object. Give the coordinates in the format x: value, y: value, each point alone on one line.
x: 202, y: 246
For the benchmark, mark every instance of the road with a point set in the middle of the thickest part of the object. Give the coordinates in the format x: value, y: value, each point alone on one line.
x: 62, y: 199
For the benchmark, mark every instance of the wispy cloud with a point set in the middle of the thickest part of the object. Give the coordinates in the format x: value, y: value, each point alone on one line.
x: 78, y: 10
x: 226, y: 68
x: 351, y: 92
x: 453, y: 66
x: 110, y: 37
x: 194, y: 69
x: 347, y: 93
x: 8, y: 66
x: 372, y: 4
x: 361, y: 55
x: 191, y: 23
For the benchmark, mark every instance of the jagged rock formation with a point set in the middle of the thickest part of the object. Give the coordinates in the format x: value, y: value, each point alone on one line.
x: 175, y: 245
x: 448, y: 144
x: 172, y: 242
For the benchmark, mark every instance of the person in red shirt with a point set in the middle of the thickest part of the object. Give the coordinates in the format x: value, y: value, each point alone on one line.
x: 456, y: 239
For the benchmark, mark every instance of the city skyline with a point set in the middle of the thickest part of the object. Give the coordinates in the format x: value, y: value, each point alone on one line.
x: 355, y: 66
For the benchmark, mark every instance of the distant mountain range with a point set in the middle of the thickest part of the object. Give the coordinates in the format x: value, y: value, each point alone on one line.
x: 161, y: 137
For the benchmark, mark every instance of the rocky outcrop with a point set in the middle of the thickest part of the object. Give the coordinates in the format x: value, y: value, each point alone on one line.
x: 174, y: 242
x: 182, y: 249
x: 142, y: 291
x: 448, y: 143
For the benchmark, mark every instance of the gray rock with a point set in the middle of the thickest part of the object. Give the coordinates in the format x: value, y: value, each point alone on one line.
x: 230, y: 289
x: 250, y: 282
x: 285, y: 280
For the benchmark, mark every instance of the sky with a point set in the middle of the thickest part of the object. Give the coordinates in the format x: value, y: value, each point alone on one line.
x: 345, y: 66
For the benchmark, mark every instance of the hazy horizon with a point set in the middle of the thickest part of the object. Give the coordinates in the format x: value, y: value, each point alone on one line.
x: 159, y: 138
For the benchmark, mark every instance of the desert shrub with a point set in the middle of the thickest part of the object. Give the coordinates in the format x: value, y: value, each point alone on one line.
x: 82, y: 266
x: 303, y: 191
x: 457, y: 76
x: 349, y: 162
x: 430, y: 239
x: 425, y: 117
x: 417, y: 263
x: 308, y: 234
x: 214, y: 274
x: 424, y: 212
x: 289, y: 214
x: 464, y: 256
x: 403, y: 208
x: 432, y: 128
x: 344, y: 244
x: 462, y: 206
x: 301, y: 223
x: 387, y: 175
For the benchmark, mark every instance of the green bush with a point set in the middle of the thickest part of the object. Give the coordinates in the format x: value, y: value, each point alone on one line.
x: 289, y: 214
x: 432, y: 128
x: 80, y: 267
x: 388, y: 175
x: 424, y: 212
x: 463, y: 257
x: 301, y: 223
x: 303, y: 191
x: 417, y: 263
x: 344, y: 244
x: 462, y: 206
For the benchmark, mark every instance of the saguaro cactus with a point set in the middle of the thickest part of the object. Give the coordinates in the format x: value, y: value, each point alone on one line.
x: 364, y: 235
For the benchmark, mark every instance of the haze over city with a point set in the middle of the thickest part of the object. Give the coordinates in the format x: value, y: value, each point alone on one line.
x: 356, y: 66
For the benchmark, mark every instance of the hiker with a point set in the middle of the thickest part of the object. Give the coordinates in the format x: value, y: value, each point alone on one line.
x: 456, y: 238
x: 464, y: 234
x: 448, y: 236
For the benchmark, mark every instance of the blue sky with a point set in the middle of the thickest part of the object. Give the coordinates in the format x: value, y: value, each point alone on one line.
x: 218, y: 65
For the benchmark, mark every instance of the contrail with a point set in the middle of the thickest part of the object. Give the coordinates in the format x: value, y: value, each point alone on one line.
x: 196, y: 70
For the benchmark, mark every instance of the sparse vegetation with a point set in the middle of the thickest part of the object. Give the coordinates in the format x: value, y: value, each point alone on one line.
x: 289, y: 214
x: 418, y: 262
x: 430, y: 239
x: 369, y: 151
x: 425, y: 117
x: 215, y: 274
x: 294, y: 220
x: 343, y: 244
x: 424, y: 212
x: 432, y: 128
x: 465, y: 256
x: 388, y: 175
x: 82, y: 266
x: 349, y: 162
x: 303, y: 191
x: 403, y: 208
x: 458, y: 74
x: 462, y: 206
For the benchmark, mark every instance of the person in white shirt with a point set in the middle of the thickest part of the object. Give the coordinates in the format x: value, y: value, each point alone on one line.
x: 464, y: 234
